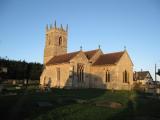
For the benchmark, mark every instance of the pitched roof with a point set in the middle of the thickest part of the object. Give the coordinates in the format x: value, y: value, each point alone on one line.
x: 110, y: 58
x: 91, y: 53
x: 141, y: 75
x: 62, y: 58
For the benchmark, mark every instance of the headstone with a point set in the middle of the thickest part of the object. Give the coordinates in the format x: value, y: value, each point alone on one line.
x: 158, y: 90
x: 14, y: 82
x: 44, y: 104
x: 25, y: 81
x: 18, y: 87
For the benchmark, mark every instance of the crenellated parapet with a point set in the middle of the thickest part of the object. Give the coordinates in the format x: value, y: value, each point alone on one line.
x: 55, y: 27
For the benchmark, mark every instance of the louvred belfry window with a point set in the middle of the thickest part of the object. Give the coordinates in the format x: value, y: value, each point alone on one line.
x: 60, y: 40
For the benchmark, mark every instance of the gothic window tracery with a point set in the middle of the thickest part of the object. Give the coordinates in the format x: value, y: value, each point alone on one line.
x: 80, y: 72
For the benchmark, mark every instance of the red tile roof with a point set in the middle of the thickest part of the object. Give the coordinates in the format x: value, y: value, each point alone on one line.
x: 62, y: 58
x: 67, y: 57
x: 110, y: 58
x: 90, y: 54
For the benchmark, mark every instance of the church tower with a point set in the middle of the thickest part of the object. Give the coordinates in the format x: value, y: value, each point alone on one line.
x: 56, y: 41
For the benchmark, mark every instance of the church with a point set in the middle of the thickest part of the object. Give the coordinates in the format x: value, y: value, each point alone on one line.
x: 83, y: 69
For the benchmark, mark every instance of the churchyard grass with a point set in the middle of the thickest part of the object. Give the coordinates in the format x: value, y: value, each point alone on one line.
x: 83, y: 104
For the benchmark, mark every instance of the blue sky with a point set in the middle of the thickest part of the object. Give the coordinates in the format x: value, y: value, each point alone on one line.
x: 112, y: 24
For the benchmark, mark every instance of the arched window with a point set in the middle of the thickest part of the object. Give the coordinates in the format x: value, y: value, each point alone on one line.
x: 60, y: 40
x: 80, y: 72
x: 125, y: 77
x: 108, y: 76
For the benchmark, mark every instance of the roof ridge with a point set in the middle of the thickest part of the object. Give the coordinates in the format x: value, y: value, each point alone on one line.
x: 91, y: 50
x: 113, y: 52
x: 67, y: 53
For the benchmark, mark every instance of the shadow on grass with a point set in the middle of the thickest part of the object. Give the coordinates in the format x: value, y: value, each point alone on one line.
x: 140, y: 107
x: 25, y: 106
x: 89, y: 110
x: 136, y: 106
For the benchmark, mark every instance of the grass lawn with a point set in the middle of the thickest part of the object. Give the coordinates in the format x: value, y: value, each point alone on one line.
x: 84, y: 104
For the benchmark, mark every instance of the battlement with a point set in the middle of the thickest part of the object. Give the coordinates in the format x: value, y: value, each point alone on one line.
x: 54, y: 27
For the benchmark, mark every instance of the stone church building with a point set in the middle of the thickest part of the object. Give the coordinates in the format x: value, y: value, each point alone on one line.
x: 83, y: 69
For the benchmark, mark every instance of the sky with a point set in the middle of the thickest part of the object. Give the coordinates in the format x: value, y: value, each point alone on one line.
x: 112, y: 24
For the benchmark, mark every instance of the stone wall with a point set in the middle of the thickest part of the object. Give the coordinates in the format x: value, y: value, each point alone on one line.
x: 94, y: 76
